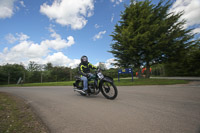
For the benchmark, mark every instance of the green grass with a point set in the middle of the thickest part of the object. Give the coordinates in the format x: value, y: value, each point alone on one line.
x: 17, y: 117
x: 123, y: 82
x: 66, y: 83
x: 128, y: 82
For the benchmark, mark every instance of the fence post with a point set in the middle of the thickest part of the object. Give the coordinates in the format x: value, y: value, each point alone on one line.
x: 70, y: 75
x: 8, y: 78
x: 41, y: 76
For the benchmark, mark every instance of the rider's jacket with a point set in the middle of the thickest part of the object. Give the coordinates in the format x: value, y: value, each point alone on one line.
x: 84, y: 69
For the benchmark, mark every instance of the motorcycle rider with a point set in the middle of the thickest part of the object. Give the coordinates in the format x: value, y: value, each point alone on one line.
x: 84, y: 70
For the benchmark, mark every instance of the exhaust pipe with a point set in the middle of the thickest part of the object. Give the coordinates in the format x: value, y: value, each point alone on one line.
x: 77, y: 90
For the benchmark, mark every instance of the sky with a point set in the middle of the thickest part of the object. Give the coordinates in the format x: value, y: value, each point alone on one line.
x: 61, y: 31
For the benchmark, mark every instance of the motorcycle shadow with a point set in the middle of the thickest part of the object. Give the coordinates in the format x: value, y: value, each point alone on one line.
x: 91, y: 96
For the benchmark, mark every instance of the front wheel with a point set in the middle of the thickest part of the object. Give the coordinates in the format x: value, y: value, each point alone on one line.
x: 109, y: 90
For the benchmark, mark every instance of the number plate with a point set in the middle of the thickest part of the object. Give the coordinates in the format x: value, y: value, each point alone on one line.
x: 100, y: 75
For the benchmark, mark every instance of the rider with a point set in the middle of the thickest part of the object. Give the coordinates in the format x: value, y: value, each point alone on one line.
x: 84, y: 70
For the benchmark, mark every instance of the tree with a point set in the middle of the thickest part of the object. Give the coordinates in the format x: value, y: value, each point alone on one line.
x: 148, y: 34
x: 193, y: 61
x: 186, y: 63
x: 32, y: 66
x: 10, y: 73
x: 48, y: 66
x: 35, y: 72
x: 60, y: 73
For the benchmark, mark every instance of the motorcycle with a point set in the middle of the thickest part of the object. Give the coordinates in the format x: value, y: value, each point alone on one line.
x: 104, y: 84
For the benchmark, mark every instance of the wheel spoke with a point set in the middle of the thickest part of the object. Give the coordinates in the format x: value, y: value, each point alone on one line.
x: 108, y: 89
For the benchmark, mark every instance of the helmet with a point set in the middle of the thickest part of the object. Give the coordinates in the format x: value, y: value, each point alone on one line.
x: 84, y: 59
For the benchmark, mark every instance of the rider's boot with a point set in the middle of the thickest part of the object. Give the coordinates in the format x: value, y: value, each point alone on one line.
x: 84, y: 91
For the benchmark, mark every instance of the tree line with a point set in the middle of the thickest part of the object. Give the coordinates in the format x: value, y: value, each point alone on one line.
x: 35, y: 73
x: 39, y: 73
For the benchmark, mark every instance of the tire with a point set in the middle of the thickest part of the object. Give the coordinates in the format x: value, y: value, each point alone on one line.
x: 109, y: 90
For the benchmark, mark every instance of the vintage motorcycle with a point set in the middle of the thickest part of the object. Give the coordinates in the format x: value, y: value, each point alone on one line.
x: 104, y: 84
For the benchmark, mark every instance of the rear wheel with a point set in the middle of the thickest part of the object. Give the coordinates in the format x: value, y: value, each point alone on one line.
x: 109, y: 90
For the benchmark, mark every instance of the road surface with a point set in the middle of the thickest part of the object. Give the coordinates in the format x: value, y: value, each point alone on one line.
x: 137, y: 109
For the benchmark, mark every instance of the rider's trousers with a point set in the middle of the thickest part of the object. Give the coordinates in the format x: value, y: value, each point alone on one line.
x: 85, y: 82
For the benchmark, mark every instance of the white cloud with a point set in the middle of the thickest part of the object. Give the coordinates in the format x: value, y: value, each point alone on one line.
x: 60, y: 59
x: 6, y: 8
x: 197, y: 30
x: 191, y: 10
x: 58, y: 43
x: 19, y: 37
x: 22, y: 3
x: 5, y: 50
x: 23, y: 50
x: 108, y: 63
x: 96, y: 26
x: 26, y: 50
x: 116, y: 2
x: 69, y: 12
x: 99, y: 35
x: 11, y: 38
x: 112, y: 18
x: 22, y: 37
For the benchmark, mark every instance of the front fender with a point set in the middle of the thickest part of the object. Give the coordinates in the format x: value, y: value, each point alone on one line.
x: 107, y: 79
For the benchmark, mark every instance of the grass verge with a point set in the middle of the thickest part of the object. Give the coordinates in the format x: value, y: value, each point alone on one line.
x: 17, y: 116
x: 128, y: 82
x: 123, y: 82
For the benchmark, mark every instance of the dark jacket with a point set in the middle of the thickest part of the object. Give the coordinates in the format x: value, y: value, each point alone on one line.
x: 84, y: 69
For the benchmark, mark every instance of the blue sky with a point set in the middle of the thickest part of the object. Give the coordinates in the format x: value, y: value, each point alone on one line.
x: 61, y: 31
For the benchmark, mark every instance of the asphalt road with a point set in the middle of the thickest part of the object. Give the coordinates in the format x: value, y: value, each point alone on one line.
x: 137, y: 109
